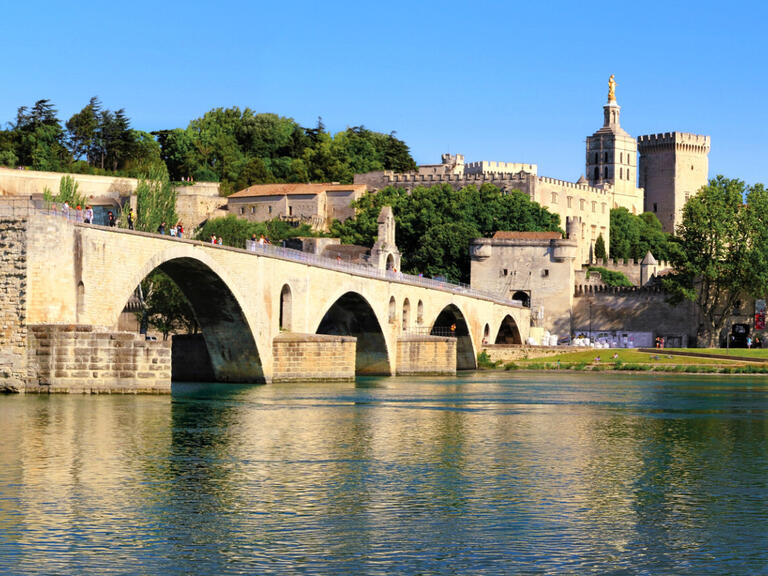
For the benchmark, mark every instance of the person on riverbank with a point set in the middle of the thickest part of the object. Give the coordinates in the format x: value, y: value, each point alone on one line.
x: 88, y: 215
x: 179, y: 229
x: 131, y: 218
x: 161, y: 228
x: 111, y: 219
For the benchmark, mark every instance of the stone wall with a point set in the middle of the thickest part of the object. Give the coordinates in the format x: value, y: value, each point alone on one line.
x: 426, y: 355
x: 634, y: 310
x: 74, y: 358
x: 511, y: 353
x: 313, y: 357
x: 13, y: 303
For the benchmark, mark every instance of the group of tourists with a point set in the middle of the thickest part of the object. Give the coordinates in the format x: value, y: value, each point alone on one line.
x: 176, y: 231
x: 218, y: 240
x: 78, y: 214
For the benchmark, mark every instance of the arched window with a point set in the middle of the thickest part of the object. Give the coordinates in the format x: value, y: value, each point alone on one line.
x: 420, y: 313
x: 406, y: 314
x: 486, y: 334
x: 80, y: 297
x: 621, y: 173
x: 605, y: 172
x: 285, y: 308
x: 392, y: 310
x: 597, y: 173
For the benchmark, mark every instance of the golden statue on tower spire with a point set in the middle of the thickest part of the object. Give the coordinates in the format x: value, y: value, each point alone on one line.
x: 611, y: 89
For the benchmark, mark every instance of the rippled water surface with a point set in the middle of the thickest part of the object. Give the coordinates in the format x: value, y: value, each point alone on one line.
x: 488, y: 473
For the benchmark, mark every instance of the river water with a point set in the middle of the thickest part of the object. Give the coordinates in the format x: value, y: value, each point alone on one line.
x: 485, y: 473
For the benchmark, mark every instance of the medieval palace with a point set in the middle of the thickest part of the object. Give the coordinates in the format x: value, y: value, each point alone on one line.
x: 671, y: 167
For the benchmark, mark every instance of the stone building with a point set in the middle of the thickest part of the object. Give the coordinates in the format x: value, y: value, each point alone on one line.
x: 671, y: 168
x: 313, y: 204
x: 537, y: 268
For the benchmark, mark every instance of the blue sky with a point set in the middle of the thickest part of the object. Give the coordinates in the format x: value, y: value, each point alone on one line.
x: 509, y: 81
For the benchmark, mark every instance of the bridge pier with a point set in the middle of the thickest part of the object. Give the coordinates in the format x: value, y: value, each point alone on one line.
x: 423, y: 355
x: 298, y: 357
x: 77, y: 358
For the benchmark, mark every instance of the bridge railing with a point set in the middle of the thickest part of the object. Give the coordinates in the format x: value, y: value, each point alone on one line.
x: 371, y: 272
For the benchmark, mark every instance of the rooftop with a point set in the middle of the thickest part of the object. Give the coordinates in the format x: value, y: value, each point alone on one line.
x: 286, y: 189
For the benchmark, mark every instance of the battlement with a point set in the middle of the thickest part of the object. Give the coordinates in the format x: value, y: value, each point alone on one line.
x: 393, y: 178
x: 486, y: 167
x: 673, y: 139
x: 576, y: 186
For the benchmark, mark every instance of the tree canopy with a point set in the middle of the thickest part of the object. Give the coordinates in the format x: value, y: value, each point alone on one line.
x: 435, y: 225
x: 633, y: 236
x: 235, y: 147
x: 720, y: 253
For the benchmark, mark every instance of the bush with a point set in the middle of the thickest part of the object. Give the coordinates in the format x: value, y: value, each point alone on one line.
x: 484, y: 361
x: 610, y: 277
x: 511, y: 366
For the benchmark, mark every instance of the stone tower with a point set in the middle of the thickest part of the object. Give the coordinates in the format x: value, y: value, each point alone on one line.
x: 673, y: 166
x: 612, y: 157
x: 384, y: 254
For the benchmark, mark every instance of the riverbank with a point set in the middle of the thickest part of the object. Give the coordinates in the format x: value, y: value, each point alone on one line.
x: 685, y: 361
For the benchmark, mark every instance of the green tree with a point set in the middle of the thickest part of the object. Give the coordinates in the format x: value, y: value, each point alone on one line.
x: 600, y: 248
x: 81, y: 131
x: 625, y: 233
x: 718, y: 246
x: 155, y: 200
x: 68, y: 192
x: 38, y: 137
x: 166, y: 308
x: 236, y: 231
x: 435, y: 225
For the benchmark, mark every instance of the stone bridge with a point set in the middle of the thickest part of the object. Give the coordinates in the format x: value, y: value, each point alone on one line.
x: 271, y: 315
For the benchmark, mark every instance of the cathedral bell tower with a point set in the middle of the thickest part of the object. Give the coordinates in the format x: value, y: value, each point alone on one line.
x: 611, y: 152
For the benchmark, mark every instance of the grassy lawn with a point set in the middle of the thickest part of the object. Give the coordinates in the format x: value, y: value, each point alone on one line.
x: 661, y: 361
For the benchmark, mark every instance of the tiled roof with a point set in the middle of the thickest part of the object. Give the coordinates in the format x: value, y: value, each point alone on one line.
x: 289, y: 189
x: 507, y: 235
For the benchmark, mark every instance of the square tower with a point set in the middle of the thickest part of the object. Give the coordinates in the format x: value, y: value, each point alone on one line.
x: 673, y: 166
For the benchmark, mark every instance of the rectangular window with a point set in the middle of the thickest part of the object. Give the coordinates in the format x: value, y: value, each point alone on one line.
x: 655, y: 208
x: 242, y: 210
x: 570, y: 201
x: 545, y: 272
x: 253, y: 209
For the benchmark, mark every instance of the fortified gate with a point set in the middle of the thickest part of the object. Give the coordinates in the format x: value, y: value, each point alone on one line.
x: 265, y: 316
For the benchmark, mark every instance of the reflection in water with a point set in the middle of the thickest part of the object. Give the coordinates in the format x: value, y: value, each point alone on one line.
x: 481, y: 474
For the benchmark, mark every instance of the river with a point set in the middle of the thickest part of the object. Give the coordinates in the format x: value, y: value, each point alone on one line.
x: 484, y: 473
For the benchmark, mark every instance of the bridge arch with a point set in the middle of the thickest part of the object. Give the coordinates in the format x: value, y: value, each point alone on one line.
x: 352, y: 315
x: 508, y: 333
x: 452, y: 322
x: 226, y: 330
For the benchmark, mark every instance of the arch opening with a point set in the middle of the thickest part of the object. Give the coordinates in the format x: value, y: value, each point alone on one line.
x: 451, y: 322
x: 523, y: 297
x: 351, y: 315
x: 406, y: 314
x: 420, y: 313
x: 390, y: 262
x: 224, y: 349
x: 392, y: 310
x: 285, y: 308
x: 508, y: 332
